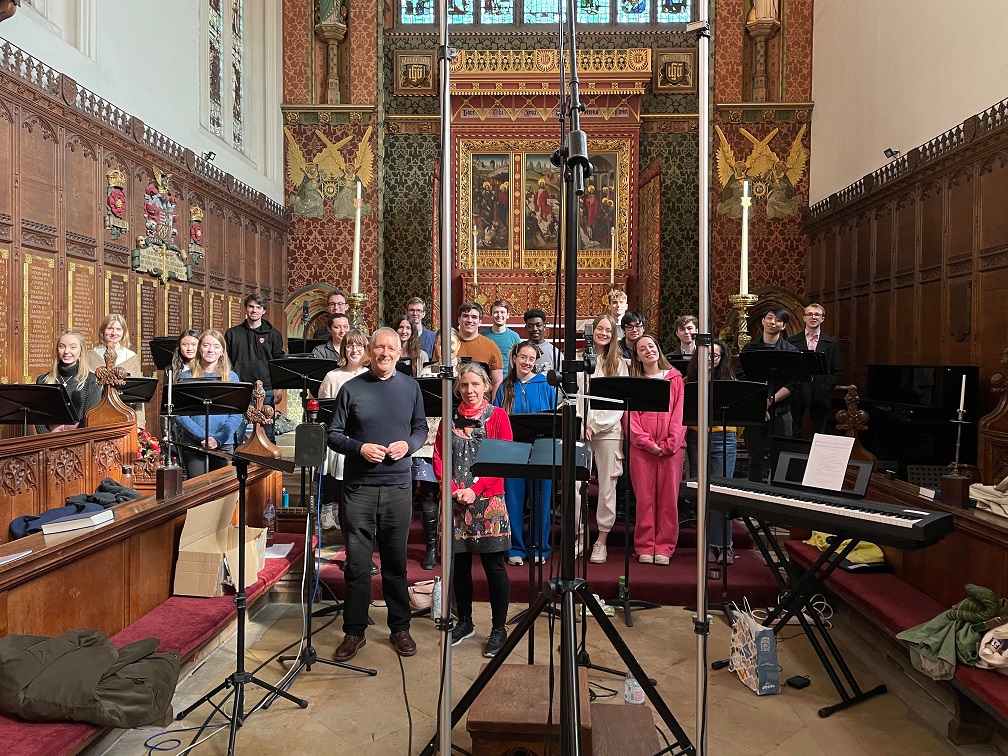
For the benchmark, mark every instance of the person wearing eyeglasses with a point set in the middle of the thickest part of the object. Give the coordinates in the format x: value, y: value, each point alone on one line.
x: 336, y: 303
x: 814, y: 397
x: 632, y: 324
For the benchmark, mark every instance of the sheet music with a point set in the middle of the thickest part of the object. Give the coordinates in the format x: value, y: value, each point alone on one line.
x: 827, y: 462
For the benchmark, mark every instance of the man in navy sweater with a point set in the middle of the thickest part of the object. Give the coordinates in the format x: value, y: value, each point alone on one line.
x: 377, y: 424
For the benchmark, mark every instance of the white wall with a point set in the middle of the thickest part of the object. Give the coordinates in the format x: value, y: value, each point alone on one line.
x: 897, y: 73
x: 144, y: 56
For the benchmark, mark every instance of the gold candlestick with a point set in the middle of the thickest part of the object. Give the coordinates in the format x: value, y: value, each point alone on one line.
x: 741, y: 303
x: 356, y: 300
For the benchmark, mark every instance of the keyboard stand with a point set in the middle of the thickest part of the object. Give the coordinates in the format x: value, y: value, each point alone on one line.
x: 795, y: 601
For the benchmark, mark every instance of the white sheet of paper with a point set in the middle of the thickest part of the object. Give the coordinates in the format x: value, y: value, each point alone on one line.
x: 827, y: 462
x: 278, y: 550
x: 14, y: 557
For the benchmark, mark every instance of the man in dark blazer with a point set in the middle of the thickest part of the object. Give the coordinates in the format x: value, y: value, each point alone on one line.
x: 815, y: 396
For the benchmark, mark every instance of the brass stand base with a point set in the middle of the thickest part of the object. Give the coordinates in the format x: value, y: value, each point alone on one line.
x: 356, y: 313
x: 738, y: 336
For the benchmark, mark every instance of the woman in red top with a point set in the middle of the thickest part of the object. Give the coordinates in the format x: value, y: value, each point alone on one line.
x: 481, y: 522
x: 656, y: 461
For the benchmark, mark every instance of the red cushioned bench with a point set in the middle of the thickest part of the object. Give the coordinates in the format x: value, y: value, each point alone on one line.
x: 893, y: 606
x: 182, y: 623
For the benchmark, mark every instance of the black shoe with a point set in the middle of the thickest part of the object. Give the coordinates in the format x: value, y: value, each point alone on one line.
x: 464, y: 629
x: 374, y: 568
x: 495, y: 641
x: 430, y: 560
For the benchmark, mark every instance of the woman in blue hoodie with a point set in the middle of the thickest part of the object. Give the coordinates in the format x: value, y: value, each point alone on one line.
x: 525, y: 391
x: 211, y: 363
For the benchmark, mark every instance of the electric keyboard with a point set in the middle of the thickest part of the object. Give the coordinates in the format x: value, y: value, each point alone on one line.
x: 875, y: 521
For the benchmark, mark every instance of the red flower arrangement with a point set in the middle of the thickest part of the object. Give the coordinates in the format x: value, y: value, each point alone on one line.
x: 148, y: 447
x: 117, y: 202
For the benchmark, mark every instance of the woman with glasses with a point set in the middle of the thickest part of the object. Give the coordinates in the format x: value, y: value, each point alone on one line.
x: 721, y: 454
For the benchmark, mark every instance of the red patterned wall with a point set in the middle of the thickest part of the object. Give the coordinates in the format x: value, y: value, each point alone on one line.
x: 777, y: 247
x: 320, y: 250
x: 363, y: 35
x: 297, y: 41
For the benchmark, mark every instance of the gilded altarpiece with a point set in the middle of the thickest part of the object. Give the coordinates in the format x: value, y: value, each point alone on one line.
x: 507, y: 197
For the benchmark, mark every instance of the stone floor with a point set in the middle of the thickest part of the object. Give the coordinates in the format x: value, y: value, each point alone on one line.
x: 353, y: 713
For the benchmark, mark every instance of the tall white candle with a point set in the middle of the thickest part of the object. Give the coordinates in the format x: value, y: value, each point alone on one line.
x: 475, y: 263
x: 962, y: 394
x: 612, y: 257
x: 355, y: 270
x: 744, y: 266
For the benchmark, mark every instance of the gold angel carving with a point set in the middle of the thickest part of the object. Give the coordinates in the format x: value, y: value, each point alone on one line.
x: 328, y: 176
x: 769, y: 177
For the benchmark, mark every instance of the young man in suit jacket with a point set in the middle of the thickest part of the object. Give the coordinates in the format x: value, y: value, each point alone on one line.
x: 815, y: 396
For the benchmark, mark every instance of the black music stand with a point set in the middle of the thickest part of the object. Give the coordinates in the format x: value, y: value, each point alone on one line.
x: 210, y: 396
x: 35, y: 403
x: 637, y: 395
x: 301, y: 373
x: 533, y: 427
x: 817, y: 365
x: 303, y: 347
x: 680, y: 362
x: 732, y: 403
x: 163, y: 350
x: 137, y: 389
x: 238, y: 679
x: 776, y: 368
x: 430, y: 391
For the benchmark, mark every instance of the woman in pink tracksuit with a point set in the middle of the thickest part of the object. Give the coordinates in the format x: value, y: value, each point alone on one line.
x: 656, y: 460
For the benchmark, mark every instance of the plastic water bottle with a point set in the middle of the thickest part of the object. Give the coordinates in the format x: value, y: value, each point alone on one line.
x: 269, y: 521
x: 436, y: 598
x: 633, y: 693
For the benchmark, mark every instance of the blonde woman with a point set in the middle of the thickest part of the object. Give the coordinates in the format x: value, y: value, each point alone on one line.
x: 71, y: 372
x: 113, y: 334
x: 212, y: 363
x: 353, y: 361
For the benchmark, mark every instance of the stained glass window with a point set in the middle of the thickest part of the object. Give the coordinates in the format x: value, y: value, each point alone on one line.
x: 674, y: 11
x: 497, y: 12
x: 633, y: 11
x: 417, y: 11
x: 216, y: 68
x: 461, y: 11
x: 237, y: 71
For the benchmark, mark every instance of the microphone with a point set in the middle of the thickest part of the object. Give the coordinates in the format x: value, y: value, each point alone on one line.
x: 304, y: 311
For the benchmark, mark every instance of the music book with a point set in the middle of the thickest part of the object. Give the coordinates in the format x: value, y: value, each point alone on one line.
x: 76, y: 522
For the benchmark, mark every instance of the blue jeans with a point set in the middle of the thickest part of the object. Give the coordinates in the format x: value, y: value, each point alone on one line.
x: 516, y: 491
x: 715, y: 518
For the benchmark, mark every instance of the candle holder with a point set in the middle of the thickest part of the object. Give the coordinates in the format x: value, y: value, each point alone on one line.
x: 955, y: 485
x: 739, y: 336
x: 357, y: 302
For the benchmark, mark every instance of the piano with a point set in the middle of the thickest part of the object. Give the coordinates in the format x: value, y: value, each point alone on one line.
x: 862, y: 519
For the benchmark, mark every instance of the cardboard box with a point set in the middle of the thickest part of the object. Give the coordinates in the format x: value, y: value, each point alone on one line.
x: 208, y: 550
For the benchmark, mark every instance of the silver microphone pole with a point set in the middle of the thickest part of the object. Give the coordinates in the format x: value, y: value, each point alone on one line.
x: 445, y: 55
x: 701, y: 621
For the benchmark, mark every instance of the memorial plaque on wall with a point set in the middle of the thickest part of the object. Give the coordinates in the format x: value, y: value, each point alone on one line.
x: 174, y: 312
x: 116, y: 292
x: 147, y: 306
x: 5, y: 356
x: 81, y: 295
x: 197, y: 310
x: 217, y: 315
x: 236, y: 310
x: 39, y: 299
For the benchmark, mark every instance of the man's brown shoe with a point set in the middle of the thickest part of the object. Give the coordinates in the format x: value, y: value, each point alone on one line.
x: 348, y: 648
x: 403, y: 643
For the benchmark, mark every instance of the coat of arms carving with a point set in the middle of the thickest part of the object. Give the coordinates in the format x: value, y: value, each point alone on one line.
x: 157, y: 253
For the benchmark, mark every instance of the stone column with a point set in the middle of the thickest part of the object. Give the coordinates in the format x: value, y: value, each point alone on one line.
x: 762, y: 23
x: 332, y: 32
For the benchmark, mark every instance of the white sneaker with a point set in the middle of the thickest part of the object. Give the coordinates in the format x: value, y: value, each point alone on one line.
x: 599, y: 553
x: 328, y: 519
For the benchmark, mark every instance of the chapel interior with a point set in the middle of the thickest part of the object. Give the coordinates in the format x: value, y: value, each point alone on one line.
x: 858, y: 160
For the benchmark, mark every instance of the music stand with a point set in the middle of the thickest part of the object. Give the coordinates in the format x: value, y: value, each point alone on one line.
x: 304, y: 346
x: 732, y: 403
x: 638, y: 395
x: 202, y: 396
x: 299, y: 373
x: 35, y: 403
x: 532, y: 427
x: 680, y: 362
x: 137, y: 389
x: 775, y: 367
x: 430, y: 391
x: 238, y: 679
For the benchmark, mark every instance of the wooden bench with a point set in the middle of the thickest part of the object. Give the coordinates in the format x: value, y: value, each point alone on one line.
x: 182, y: 624
x: 892, y: 605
